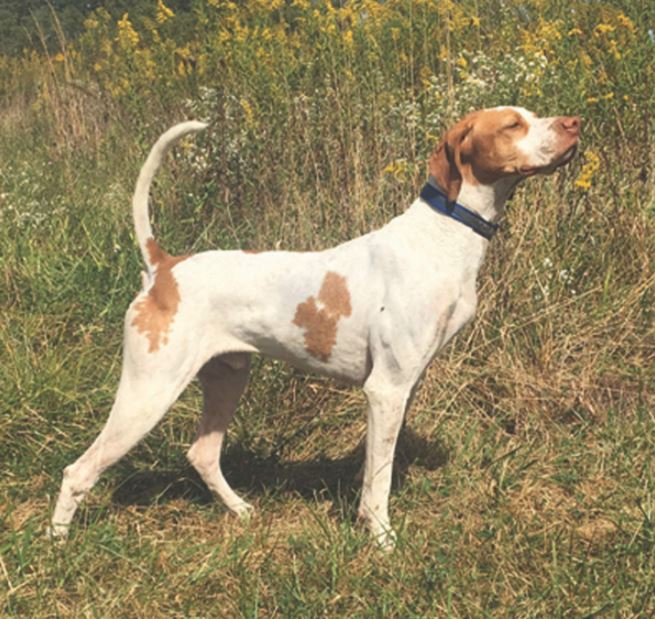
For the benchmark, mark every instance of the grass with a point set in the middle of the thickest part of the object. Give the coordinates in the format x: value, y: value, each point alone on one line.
x: 523, y: 484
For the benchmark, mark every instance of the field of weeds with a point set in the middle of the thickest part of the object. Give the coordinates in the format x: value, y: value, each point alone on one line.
x: 524, y: 483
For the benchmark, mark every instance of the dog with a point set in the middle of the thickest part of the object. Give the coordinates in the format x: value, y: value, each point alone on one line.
x: 372, y: 311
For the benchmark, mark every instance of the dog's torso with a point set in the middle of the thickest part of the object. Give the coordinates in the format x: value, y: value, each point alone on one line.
x: 408, y: 287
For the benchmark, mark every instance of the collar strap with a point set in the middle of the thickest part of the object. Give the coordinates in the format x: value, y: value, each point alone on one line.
x: 439, y: 202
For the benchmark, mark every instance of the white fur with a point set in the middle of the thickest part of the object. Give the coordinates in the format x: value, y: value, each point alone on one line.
x: 542, y: 142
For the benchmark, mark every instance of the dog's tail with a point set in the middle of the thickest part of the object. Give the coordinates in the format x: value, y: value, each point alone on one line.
x: 150, y: 167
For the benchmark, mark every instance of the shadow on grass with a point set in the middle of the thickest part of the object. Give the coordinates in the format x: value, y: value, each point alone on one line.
x: 248, y: 473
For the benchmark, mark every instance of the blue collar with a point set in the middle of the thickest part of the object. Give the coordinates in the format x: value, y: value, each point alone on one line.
x: 439, y: 202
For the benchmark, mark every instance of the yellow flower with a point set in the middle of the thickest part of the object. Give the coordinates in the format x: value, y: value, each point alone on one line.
x: 247, y: 111
x: 626, y: 22
x: 184, y: 52
x: 127, y: 36
x: 398, y: 169
x: 425, y: 74
x: 542, y: 39
x: 241, y: 33
x: 549, y: 30
x: 163, y: 12
x: 588, y: 171
x: 345, y: 13
x: 90, y: 23
x: 148, y: 64
x: 575, y: 31
x: 456, y: 18
x: 586, y: 59
x: 592, y: 99
x: 201, y: 64
x: 614, y: 48
x: 604, y: 29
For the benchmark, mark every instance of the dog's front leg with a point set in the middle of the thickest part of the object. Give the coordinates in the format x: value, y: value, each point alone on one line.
x: 386, y: 408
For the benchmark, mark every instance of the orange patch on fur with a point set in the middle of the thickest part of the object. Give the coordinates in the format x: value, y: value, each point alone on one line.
x: 321, y: 324
x: 156, y: 311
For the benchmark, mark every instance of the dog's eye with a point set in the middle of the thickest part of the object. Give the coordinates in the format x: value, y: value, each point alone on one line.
x: 515, y: 125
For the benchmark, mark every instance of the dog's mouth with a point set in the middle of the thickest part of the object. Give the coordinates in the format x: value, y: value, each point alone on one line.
x: 567, y: 156
x: 551, y: 167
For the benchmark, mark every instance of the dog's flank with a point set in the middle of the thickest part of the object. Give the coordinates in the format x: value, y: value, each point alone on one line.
x: 373, y: 311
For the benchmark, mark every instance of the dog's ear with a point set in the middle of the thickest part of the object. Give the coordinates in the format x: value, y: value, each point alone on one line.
x: 446, y: 161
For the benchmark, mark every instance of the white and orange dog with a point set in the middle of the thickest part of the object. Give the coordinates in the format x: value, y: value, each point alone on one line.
x: 373, y: 311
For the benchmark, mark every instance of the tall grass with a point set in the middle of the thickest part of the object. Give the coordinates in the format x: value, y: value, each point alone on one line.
x: 524, y: 479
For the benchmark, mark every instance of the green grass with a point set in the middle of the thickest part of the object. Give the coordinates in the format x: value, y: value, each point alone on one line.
x: 524, y: 480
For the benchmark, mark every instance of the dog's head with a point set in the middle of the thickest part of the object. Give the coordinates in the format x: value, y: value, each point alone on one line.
x: 505, y: 143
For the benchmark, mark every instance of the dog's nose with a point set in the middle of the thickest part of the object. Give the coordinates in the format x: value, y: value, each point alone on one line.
x: 570, y: 124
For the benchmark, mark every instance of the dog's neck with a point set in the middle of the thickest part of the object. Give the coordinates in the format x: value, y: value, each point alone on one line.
x: 488, y: 201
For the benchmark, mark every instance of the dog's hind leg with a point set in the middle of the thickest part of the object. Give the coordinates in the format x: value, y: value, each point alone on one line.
x: 223, y: 380
x: 142, y: 399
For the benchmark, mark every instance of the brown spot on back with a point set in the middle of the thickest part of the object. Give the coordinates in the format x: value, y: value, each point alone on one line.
x: 155, y: 312
x: 321, y: 324
x: 334, y: 294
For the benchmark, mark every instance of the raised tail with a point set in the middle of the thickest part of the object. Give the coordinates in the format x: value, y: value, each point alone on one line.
x: 150, y: 167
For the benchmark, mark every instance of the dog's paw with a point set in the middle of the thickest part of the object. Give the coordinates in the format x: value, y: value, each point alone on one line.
x: 57, y: 532
x: 384, y: 536
x: 243, y: 510
x: 386, y: 541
